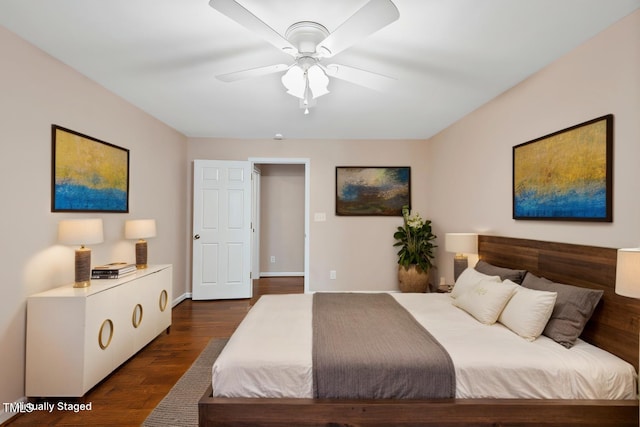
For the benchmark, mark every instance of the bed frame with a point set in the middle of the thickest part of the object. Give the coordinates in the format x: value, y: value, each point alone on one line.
x: 613, y: 327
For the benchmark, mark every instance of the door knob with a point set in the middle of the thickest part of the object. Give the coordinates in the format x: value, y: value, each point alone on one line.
x: 196, y: 237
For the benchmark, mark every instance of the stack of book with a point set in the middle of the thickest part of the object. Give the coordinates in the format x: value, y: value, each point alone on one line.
x: 115, y: 270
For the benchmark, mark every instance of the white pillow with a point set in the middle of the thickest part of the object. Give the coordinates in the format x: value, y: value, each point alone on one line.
x: 468, y: 279
x: 528, y: 312
x: 486, y: 299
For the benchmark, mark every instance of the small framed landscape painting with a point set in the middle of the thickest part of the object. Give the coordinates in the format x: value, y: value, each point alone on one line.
x: 88, y: 175
x: 566, y: 175
x: 372, y: 191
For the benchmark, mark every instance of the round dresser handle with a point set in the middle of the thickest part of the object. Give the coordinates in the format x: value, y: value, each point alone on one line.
x: 100, y: 342
x: 163, y: 300
x: 135, y: 320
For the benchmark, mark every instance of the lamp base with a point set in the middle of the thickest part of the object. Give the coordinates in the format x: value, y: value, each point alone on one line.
x: 83, y: 268
x: 460, y: 264
x: 84, y: 284
x: 141, y: 254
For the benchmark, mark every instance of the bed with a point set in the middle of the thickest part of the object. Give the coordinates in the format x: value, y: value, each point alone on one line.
x: 613, y: 328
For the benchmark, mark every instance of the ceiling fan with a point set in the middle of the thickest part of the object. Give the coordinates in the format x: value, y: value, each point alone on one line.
x: 310, y: 43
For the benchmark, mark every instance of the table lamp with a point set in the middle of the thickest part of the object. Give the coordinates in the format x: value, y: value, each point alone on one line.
x: 461, y: 244
x: 628, y: 272
x: 81, y: 232
x: 140, y: 229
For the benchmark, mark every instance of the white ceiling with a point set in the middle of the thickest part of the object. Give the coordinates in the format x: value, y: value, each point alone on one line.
x: 449, y: 57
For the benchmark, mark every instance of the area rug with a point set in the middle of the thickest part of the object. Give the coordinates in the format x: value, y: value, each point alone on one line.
x: 179, y: 408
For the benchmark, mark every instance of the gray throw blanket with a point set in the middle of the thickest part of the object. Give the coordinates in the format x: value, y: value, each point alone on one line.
x: 367, y: 346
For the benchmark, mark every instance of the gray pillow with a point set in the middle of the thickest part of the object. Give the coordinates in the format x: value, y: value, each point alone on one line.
x: 515, y: 276
x: 573, y: 309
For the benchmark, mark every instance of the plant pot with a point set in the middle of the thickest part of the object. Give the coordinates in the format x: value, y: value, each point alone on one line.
x: 413, y: 279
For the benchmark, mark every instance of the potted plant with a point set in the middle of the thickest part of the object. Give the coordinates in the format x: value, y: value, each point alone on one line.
x: 415, y: 241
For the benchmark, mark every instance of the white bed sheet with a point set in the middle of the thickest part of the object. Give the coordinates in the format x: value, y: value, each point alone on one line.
x: 269, y: 355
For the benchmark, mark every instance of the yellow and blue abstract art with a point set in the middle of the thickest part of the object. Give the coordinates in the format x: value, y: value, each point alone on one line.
x: 566, y: 175
x: 89, y: 175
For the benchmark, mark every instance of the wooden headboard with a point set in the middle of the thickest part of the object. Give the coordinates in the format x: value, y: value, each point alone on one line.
x: 614, y: 325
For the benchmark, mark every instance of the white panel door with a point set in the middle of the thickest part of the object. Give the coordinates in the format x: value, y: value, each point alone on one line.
x: 221, y: 230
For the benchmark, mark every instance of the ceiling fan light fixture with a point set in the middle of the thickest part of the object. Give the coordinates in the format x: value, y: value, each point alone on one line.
x: 309, y: 84
x: 318, y: 81
x: 295, y: 81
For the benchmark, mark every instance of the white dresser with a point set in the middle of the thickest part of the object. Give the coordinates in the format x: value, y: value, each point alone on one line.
x: 78, y: 336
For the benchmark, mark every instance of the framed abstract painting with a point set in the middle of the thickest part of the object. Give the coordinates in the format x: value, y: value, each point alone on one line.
x: 372, y: 191
x: 566, y: 175
x: 88, y: 175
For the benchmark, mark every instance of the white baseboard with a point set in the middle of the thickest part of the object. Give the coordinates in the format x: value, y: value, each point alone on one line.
x: 178, y: 300
x: 281, y: 273
x: 5, y: 414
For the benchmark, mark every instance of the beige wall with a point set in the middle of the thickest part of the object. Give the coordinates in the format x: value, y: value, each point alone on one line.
x: 282, y: 219
x: 359, y: 249
x: 38, y: 91
x: 469, y: 186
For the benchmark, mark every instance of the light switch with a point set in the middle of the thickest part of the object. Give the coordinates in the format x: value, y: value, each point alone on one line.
x: 320, y: 217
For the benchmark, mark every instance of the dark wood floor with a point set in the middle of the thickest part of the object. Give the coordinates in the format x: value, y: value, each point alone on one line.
x: 127, y: 396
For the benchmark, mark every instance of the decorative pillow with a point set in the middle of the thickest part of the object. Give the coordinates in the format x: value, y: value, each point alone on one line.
x: 486, y: 300
x: 573, y: 309
x: 516, y: 276
x: 468, y: 279
x: 528, y: 312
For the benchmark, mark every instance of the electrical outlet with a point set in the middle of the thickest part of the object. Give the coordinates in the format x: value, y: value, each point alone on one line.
x: 273, y: 259
x: 332, y: 275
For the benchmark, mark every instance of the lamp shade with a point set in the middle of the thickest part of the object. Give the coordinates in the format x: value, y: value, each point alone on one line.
x: 318, y: 81
x: 140, y: 228
x: 80, y: 231
x: 628, y: 273
x: 461, y: 243
x: 295, y: 81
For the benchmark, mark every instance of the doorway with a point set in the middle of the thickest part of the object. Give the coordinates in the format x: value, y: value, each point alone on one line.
x: 282, y: 258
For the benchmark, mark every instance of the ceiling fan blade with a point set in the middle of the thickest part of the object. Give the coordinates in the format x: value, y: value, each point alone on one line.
x: 252, y: 72
x: 372, y: 17
x: 242, y: 16
x: 360, y: 77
